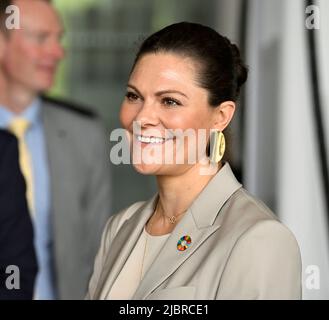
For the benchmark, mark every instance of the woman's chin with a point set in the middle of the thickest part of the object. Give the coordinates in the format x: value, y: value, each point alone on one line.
x: 161, y: 169
x: 147, y: 169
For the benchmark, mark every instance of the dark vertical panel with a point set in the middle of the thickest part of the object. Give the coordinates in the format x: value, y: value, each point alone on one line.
x: 243, y: 22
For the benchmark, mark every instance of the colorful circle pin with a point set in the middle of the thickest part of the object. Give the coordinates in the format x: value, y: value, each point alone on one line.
x: 183, y: 243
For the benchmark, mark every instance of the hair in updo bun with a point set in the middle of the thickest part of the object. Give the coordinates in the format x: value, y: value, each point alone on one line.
x: 220, y: 67
x: 241, y: 71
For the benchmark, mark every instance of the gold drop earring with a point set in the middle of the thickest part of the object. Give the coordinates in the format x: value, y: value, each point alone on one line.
x: 217, y: 146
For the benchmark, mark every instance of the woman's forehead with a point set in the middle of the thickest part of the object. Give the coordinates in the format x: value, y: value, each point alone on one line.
x: 164, y: 67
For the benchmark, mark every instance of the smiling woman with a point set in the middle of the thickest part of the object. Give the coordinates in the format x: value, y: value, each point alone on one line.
x: 202, y: 236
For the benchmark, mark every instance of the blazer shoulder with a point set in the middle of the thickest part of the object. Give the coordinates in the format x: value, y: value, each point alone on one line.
x: 269, y: 240
x: 69, y: 107
x: 241, y: 212
x: 252, y: 224
x: 269, y: 255
x: 257, y: 205
x: 273, y: 231
x: 247, y: 208
x: 116, y: 221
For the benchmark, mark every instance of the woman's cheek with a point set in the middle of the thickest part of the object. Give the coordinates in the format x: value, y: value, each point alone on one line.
x: 127, y: 116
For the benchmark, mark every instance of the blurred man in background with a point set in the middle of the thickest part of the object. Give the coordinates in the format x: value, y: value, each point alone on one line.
x: 63, y: 152
x: 16, y: 232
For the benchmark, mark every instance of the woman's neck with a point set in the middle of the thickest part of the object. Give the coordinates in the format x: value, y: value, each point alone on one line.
x: 176, y: 193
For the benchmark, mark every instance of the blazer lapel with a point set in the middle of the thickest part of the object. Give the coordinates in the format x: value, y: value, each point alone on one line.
x: 122, y: 245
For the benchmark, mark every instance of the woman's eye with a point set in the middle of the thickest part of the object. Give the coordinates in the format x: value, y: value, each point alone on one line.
x: 131, y: 96
x: 170, y: 102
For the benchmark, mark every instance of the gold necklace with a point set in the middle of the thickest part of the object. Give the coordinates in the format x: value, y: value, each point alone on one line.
x: 172, y: 220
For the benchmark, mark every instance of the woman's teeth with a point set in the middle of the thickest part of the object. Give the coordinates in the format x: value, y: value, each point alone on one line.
x: 151, y: 139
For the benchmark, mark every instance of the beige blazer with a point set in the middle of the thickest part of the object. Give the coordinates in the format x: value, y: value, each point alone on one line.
x: 239, y: 249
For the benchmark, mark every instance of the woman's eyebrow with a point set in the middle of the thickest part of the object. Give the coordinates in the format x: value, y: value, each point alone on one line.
x: 159, y: 93
x: 133, y: 87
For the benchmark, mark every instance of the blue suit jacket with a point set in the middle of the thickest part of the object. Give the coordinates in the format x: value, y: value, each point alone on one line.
x: 16, y: 232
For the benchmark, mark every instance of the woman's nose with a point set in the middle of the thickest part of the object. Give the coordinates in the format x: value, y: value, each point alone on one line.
x: 148, y: 115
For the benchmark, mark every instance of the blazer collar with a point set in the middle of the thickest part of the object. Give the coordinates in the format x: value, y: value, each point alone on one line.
x: 214, y: 196
x: 198, y: 223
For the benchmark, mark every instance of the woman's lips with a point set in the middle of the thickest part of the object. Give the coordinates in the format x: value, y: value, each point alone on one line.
x: 151, y: 139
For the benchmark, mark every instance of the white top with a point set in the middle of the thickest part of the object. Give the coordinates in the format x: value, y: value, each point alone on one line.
x: 141, y: 257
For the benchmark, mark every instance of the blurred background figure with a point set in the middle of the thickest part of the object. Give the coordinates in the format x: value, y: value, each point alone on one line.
x: 281, y: 127
x: 62, y: 150
x: 16, y: 232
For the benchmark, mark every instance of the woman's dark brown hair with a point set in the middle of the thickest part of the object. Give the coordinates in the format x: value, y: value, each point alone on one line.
x: 222, y: 71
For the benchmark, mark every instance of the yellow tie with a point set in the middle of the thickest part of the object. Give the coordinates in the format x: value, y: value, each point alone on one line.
x: 19, y: 127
